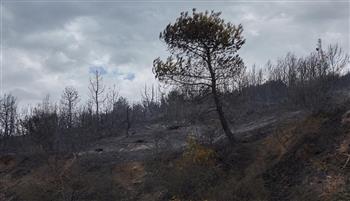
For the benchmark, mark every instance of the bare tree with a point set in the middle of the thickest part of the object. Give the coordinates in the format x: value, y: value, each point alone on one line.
x: 331, y: 61
x: 150, y: 100
x: 336, y: 59
x: 260, y: 77
x: 110, y: 117
x: 111, y: 98
x: 127, y: 121
x: 253, y: 80
x: 42, y: 125
x: 69, y: 100
x: 291, y: 63
x: 8, y: 107
x: 204, y: 53
x: 96, y: 91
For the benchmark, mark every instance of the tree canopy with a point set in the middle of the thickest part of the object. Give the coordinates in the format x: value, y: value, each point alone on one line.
x: 203, y: 47
x: 203, y: 52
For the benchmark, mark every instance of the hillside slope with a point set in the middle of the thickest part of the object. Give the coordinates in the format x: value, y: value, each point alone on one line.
x: 290, y: 156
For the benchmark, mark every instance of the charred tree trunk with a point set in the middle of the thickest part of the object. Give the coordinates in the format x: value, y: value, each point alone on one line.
x: 222, y: 117
x: 128, y: 124
x: 217, y: 101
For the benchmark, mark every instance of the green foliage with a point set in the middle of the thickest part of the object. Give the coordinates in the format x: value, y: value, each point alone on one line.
x: 203, y: 51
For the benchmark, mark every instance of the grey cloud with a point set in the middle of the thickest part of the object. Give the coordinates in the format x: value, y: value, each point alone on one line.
x: 23, y: 94
x: 49, y: 45
x: 129, y: 76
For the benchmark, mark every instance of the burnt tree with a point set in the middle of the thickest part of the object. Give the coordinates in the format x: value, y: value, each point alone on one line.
x: 203, y: 50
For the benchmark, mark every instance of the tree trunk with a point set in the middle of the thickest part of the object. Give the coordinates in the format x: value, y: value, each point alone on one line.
x: 222, y: 118
x: 127, y: 121
x: 70, y: 114
x: 218, y: 104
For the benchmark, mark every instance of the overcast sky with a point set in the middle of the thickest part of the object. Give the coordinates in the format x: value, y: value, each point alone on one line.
x: 49, y: 45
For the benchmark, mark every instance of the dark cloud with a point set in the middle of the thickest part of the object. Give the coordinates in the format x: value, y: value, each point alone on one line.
x: 48, y: 45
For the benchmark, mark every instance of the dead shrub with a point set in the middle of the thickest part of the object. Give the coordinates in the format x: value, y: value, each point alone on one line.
x: 190, y: 175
